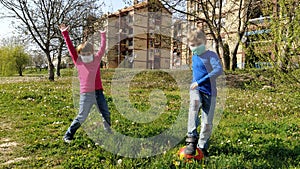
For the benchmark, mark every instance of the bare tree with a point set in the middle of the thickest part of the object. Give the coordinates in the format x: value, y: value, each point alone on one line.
x: 209, y: 14
x: 38, y: 59
x: 40, y: 19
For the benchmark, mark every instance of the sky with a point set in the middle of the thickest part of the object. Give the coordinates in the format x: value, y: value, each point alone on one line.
x: 7, y: 29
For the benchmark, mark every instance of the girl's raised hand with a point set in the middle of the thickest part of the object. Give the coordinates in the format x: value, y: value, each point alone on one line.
x: 63, y: 27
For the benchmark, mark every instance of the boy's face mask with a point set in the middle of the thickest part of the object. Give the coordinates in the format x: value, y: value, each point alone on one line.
x: 198, y: 50
x: 87, y: 58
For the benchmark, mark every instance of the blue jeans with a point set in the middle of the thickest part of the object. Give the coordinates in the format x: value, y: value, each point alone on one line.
x: 206, y: 103
x: 87, y: 100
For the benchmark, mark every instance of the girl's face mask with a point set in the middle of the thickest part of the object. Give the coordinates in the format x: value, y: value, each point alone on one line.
x: 87, y: 58
x: 198, y: 50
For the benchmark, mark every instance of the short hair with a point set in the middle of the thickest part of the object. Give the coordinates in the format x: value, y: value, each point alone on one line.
x: 197, y: 36
x: 85, y: 47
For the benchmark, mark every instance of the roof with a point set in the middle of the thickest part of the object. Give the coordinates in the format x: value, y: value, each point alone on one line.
x: 136, y: 6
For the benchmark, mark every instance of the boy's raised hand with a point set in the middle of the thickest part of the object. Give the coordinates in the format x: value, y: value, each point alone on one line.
x: 63, y: 27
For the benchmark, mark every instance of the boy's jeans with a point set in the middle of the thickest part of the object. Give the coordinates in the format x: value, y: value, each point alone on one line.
x: 87, y: 100
x: 207, y: 104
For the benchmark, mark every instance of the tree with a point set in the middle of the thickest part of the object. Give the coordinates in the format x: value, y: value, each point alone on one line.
x: 278, y: 43
x: 13, y: 59
x: 21, y: 59
x: 38, y: 59
x: 6, y: 64
x: 40, y: 20
x: 285, y: 31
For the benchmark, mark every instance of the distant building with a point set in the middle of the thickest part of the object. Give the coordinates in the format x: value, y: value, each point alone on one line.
x: 228, y: 22
x: 139, y: 36
x: 180, y: 50
x: 66, y: 62
x: 257, y: 25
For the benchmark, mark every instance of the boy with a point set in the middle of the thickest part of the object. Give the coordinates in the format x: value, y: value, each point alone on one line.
x: 206, y: 68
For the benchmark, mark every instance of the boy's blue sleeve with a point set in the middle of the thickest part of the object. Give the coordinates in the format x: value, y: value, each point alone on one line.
x: 217, y: 69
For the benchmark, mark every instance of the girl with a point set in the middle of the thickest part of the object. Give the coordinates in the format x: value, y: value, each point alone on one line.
x: 91, y: 89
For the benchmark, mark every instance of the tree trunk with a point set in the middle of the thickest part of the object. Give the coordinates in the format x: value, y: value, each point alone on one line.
x: 235, y: 50
x: 50, y: 67
x: 234, y: 58
x: 59, y: 57
x: 58, y: 66
x: 20, y: 72
x: 51, y: 71
x: 226, y: 55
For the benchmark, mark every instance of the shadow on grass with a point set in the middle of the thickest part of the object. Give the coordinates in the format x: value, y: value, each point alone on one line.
x: 250, y: 79
x: 272, y: 154
x: 279, y: 156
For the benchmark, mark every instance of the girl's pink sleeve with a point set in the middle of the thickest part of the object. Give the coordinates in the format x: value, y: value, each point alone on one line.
x: 101, y: 50
x: 70, y: 46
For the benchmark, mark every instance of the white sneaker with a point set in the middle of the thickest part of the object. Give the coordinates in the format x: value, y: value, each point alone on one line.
x: 66, y: 140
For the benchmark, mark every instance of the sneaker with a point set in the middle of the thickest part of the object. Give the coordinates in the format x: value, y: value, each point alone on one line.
x: 67, y: 140
x: 190, y: 145
x: 190, y: 149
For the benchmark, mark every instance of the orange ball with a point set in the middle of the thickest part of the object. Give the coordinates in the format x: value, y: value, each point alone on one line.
x: 198, y: 155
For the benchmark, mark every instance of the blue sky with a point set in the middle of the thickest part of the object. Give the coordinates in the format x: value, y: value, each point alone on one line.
x: 7, y: 29
x: 114, y: 5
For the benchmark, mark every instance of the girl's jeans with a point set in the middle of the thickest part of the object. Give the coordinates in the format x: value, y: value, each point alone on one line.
x: 207, y: 104
x: 87, y: 100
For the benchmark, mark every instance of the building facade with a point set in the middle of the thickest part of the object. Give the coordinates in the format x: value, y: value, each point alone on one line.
x: 139, y: 36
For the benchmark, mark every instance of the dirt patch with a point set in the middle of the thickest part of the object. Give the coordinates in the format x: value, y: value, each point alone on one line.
x: 9, y: 144
x: 5, y: 125
x: 15, y: 160
x: 6, y: 150
x: 5, y: 80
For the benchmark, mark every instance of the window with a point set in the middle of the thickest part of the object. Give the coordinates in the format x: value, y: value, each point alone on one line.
x: 151, y: 56
x: 220, y: 2
x: 130, y: 19
x: 130, y: 31
x: 151, y: 43
x: 130, y: 42
x: 199, y: 7
x: 222, y: 22
x: 156, y: 51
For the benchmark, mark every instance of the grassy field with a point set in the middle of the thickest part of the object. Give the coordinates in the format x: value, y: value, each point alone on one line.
x: 260, y: 126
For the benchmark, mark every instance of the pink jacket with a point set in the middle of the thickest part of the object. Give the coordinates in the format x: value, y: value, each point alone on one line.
x: 88, y: 73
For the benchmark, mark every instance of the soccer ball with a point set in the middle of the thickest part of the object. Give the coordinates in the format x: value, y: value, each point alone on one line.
x: 198, y: 155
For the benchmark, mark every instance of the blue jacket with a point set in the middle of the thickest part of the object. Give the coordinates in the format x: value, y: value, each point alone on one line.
x: 206, y: 68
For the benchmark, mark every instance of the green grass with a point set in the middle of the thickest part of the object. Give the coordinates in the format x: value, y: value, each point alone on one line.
x: 260, y: 126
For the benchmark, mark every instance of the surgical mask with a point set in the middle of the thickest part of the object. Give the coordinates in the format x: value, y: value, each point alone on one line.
x: 198, y: 50
x: 87, y: 59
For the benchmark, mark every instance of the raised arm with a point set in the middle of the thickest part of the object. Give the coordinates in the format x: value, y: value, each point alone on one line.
x: 64, y: 30
x: 102, y: 48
